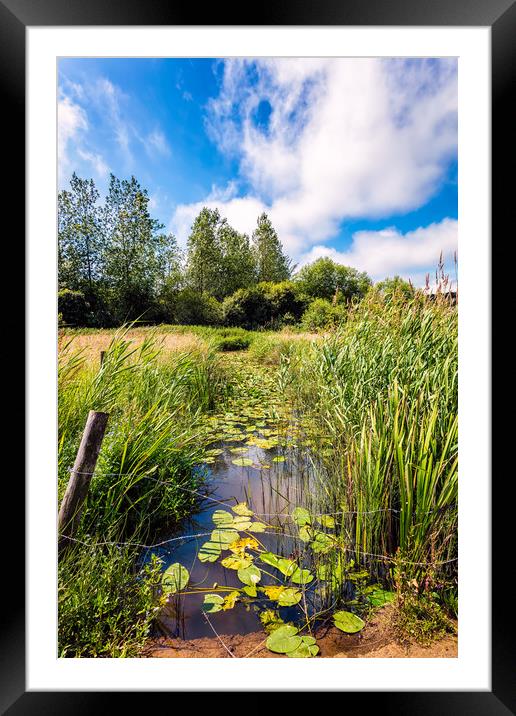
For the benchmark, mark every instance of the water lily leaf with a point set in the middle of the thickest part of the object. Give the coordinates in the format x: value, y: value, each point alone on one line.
x: 306, y: 533
x: 237, y: 561
x: 212, y: 603
x: 222, y: 518
x: 326, y: 521
x: 242, y: 509
x: 279, y: 458
x: 250, y: 575
x: 270, y: 558
x: 231, y: 600
x: 348, y: 622
x: 322, y: 542
x: 240, y: 522
x: 257, y: 527
x: 380, y: 597
x: 301, y: 576
x: 224, y: 537
x: 242, y: 462
x: 289, y: 596
x: 250, y: 590
x: 301, y: 517
x: 287, y: 566
x: 175, y: 578
x: 214, y: 452
x: 306, y: 649
x: 209, y: 552
x: 283, y: 640
x: 238, y: 450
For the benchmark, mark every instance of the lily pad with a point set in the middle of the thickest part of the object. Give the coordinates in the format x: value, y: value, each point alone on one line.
x: 289, y: 597
x: 242, y: 509
x: 306, y: 649
x: 284, y: 639
x: 224, y: 537
x: 270, y: 558
x: 175, y: 578
x: 209, y: 552
x: 279, y: 458
x: 301, y: 576
x: 237, y: 561
x: 242, y: 462
x: 250, y: 590
x: 326, y: 521
x: 250, y: 575
x: 348, y: 622
x: 257, y: 527
x: 222, y: 518
x: 301, y: 516
x: 380, y: 597
x: 212, y: 603
x: 322, y: 542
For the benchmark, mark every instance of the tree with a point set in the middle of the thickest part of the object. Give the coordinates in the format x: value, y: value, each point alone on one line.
x: 238, y: 269
x: 271, y: 263
x: 395, y: 287
x: 326, y: 279
x: 204, y: 254
x: 133, y: 249
x: 79, y: 236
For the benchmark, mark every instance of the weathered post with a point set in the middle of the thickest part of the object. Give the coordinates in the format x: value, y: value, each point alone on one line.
x: 79, y: 482
x: 102, y: 357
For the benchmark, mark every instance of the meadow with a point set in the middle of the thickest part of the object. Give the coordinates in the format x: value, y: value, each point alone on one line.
x: 366, y: 411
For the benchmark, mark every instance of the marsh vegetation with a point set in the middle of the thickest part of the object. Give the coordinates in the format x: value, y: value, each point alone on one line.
x: 253, y: 480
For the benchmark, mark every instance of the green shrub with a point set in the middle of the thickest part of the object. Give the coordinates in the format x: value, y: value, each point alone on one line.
x: 264, y: 305
x: 325, y: 279
x: 74, y: 308
x: 322, y: 314
x: 194, y: 308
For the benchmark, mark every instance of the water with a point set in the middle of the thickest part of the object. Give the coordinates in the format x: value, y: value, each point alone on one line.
x: 271, y: 489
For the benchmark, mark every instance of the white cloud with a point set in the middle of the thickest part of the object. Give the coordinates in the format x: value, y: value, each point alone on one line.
x: 388, y: 252
x: 71, y: 122
x: 156, y: 143
x: 96, y: 160
x: 346, y: 138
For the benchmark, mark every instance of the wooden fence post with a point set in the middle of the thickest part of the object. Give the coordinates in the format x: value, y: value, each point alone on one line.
x: 79, y: 482
x: 102, y: 356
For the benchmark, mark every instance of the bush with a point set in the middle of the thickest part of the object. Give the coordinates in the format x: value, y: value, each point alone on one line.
x: 322, y: 314
x: 73, y: 308
x: 325, y: 279
x: 264, y: 305
x: 193, y: 308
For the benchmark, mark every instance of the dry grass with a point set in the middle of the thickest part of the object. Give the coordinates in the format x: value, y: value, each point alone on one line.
x: 93, y: 343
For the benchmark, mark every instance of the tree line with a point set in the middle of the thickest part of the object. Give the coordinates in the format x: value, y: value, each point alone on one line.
x: 116, y: 263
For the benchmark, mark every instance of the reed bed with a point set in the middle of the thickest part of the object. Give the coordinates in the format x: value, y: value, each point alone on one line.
x: 382, y: 393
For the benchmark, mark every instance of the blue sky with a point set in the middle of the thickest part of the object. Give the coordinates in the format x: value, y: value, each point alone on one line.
x: 352, y: 158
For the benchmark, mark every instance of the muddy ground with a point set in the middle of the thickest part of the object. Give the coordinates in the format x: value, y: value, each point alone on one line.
x: 376, y: 640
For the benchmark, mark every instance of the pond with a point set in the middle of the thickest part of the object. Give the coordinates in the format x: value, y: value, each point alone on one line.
x: 271, y: 475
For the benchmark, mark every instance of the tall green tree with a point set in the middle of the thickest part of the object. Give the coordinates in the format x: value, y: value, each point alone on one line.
x: 79, y: 236
x: 204, y: 254
x: 326, y: 279
x: 133, y: 248
x: 238, y: 269
x: 271, y: 263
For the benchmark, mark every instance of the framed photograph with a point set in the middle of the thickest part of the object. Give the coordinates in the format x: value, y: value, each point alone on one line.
x: 258, y: 364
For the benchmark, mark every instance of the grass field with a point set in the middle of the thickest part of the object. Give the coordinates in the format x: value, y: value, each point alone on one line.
x: 378, y: 398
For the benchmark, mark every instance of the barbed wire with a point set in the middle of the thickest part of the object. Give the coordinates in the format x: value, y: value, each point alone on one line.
x: 260, y: 514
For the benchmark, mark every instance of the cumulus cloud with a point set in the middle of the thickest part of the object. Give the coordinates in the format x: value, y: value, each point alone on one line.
x: 388, y: 252
x: 71, y: 122
x: 341, y: 139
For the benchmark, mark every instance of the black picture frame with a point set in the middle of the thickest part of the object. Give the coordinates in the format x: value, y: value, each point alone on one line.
x: 500, y: 16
